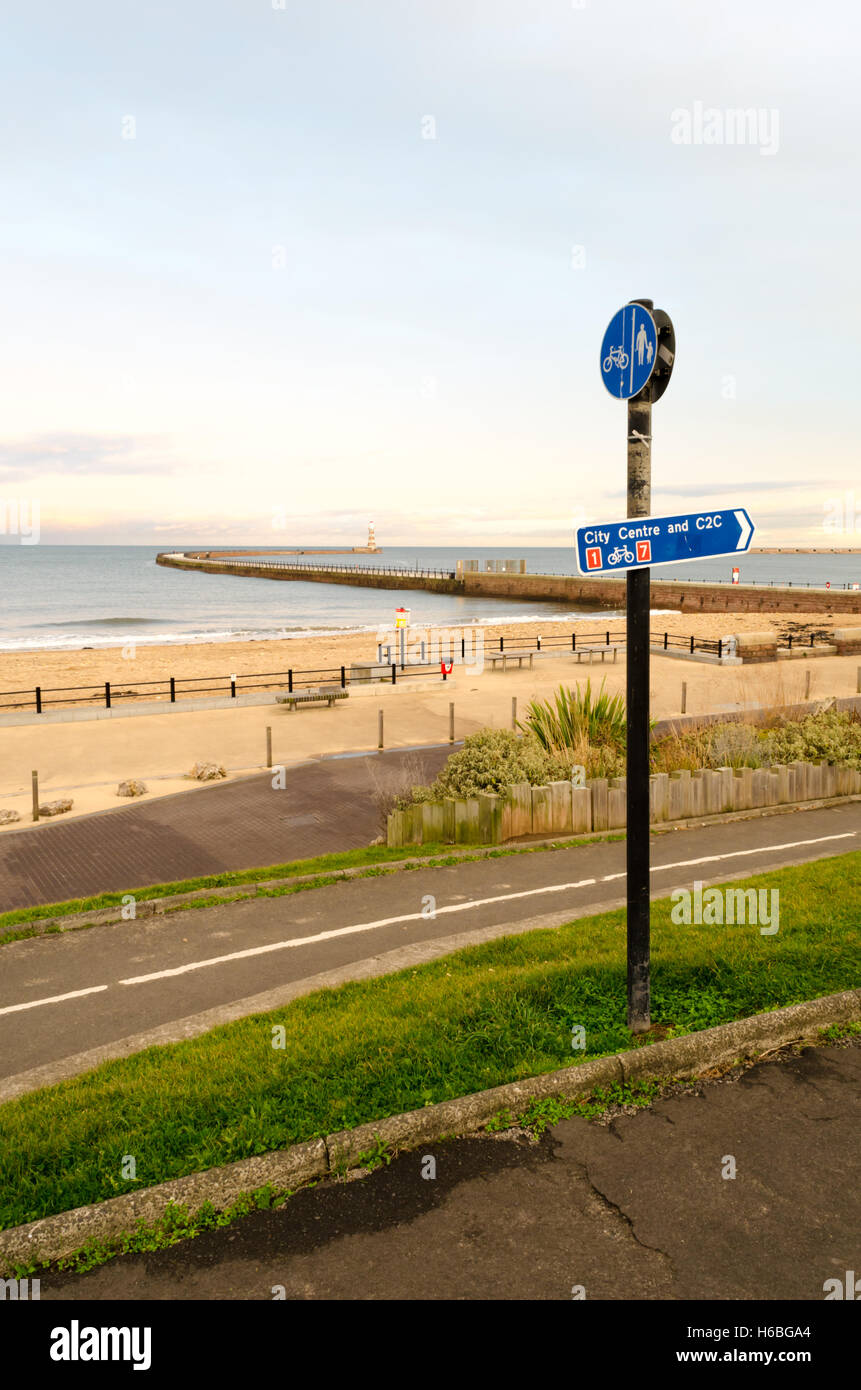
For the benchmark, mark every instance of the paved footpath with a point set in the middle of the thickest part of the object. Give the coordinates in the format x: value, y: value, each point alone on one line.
x: 325, y: 806
x: 635, y: 1209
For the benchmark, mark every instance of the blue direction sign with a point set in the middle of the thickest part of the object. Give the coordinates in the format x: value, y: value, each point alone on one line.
x: 629, y: 351
x: 662, y: 540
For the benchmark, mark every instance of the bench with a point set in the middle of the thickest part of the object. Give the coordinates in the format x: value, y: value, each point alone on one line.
x: 313, y: 696
x: 592, y: 652
x: 505, y: 657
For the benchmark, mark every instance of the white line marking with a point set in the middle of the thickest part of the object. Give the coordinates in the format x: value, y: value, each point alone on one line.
x: 414, y: 917
x: 456, y: 907
x: 736, y: 854
x: 762, y: 849
x: 54, y: 999
x: 351, y: 931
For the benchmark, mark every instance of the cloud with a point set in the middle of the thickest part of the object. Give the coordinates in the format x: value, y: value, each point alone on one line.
x: 79, y: 454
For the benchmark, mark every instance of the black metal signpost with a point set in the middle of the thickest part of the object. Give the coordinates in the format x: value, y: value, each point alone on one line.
x: 638, y: 346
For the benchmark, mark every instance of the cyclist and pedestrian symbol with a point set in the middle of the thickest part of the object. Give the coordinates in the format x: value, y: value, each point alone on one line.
x: 643, y: 346
x: 619, y: 555
x: 628, y: 352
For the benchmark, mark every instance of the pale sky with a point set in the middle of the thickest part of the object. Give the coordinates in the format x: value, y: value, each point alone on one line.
x: 239, y: 279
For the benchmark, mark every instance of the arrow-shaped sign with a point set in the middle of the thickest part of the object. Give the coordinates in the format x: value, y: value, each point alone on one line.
x: 746, y: 528
x: 639, y: 542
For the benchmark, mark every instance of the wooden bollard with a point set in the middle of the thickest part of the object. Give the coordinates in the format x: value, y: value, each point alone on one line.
x: 451, y: 723
x: 684, y: 696
x: 514, y: 708
x: 268, y: 745
x: 807, y: 684
x: 380, y: 732
x: 35, y: 777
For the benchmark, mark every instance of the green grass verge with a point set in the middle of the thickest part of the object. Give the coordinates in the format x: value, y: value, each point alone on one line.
x: 474, y: 1019
x: 327, y: 868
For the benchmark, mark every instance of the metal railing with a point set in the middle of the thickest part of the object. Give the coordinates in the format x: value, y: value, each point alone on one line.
x: 398, y: 571
x: 170, y: 688
x: 849, y: 585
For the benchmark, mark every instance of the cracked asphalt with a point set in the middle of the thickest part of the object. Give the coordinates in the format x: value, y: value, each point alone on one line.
x: 637, y: 1206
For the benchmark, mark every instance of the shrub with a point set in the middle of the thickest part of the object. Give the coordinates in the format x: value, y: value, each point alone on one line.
x: 491, y: 761
x: 391, y: 786
x: 717, y: 745
x: 734, y: 745
x: 578, y: 717
x: 831, y: 736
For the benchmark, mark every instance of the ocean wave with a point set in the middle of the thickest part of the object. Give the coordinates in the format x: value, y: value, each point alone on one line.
x: 107, y: 622
x: 197, y: 636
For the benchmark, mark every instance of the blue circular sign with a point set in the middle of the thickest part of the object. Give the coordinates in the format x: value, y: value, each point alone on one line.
x: 629, y: 351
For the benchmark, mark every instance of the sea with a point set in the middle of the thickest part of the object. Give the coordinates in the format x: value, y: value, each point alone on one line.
x: 70, y: 597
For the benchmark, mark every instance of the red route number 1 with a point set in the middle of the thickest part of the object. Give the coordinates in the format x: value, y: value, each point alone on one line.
x: 593, y: 558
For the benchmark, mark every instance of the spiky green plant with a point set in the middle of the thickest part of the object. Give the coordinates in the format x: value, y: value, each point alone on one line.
x: 577, y: 716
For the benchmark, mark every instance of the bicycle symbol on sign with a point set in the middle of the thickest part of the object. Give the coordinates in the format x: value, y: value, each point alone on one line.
x: 617, y: 356
x: 621, y: 553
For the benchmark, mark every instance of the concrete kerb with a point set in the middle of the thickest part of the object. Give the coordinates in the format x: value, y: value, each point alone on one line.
x: 56, y: 1237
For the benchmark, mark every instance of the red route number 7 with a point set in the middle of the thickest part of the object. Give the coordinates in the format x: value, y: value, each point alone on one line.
x: 644, y: 552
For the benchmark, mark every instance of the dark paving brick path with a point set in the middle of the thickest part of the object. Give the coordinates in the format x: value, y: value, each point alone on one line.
x: 325, y: 806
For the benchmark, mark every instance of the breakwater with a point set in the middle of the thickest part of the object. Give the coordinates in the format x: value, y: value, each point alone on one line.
x: 685, y: 595
x: 362, y: 576
x: 579, y: 591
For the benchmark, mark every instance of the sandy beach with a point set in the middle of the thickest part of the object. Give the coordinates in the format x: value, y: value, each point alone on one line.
x: 213, y: 662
